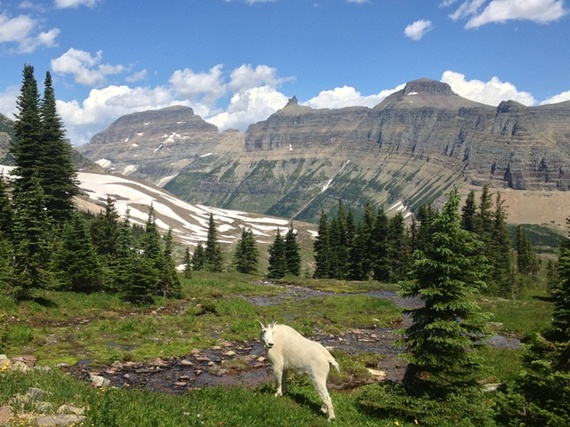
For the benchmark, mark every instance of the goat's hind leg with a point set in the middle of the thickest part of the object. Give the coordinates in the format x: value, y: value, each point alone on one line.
x: 327, y: 406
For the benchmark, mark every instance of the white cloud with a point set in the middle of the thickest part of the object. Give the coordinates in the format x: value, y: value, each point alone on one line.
x: 481, y: 12
x: 21, y: 30
x: 358, y: 1
x: 84, y: 68
x: 561, y: 97
x: 347, y: 96
x: 8, y: 101
x: 205, y: 87
x: 492, y: 92
x: 246, y: 77
x: 63, y: 4
x: 249, y: 106
x: 138, y: 76
x: 418, y: 29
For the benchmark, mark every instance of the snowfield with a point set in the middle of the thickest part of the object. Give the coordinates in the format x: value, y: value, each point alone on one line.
x: 189, y: 222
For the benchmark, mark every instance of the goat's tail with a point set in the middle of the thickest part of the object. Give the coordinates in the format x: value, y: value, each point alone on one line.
x: 334, y: 363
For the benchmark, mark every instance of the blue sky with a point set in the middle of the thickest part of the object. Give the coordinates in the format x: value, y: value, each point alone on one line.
x: 235, y: 62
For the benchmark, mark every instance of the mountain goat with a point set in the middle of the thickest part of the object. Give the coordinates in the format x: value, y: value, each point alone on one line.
x: 288, y: 350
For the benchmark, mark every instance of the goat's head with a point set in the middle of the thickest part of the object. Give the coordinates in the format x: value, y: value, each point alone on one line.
x: 266, y: 334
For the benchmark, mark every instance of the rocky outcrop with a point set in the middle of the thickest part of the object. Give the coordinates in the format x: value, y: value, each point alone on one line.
x: 152, y: 144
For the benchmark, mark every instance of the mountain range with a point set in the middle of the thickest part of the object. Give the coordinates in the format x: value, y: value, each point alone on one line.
x: 409, y: 150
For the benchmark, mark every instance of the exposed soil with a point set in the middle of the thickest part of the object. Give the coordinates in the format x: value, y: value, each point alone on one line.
x: 244, y: 364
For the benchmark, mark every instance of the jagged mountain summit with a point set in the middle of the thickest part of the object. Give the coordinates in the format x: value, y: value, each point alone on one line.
x: 410, y: 148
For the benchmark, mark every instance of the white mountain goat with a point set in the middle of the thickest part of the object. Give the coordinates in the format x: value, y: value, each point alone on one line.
x: 288, y: 350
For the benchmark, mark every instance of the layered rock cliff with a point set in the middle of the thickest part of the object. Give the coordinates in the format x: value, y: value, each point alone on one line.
x: 411, y: 147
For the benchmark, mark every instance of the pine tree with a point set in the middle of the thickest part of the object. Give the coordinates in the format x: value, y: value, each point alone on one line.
x: 6, y: 273
x: 322, y: 249
x: 170, y: 283
x: 187, y: 264
x: 444, y: 331
x: 27, y: 133
x: 32, y: 241
x: 134, y: 276
x: 541, y: 391
x: 380, y: 261
x: 502, y: 264
x: 246, y: 254
x: 6, y: 211
x: 469, y: 213
x: 213, y: 252
x: 76, y: 263
x: 199, y: 258
x: 277, y: 260
x: 292, y: 255
x: 56, y: 170
x: 105, y: 230
x: 398, y: 249
x: 527, y: 262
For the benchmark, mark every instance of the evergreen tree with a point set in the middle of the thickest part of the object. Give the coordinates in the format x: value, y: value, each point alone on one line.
x: 398, y: 250
x: 27, y: 133
x: 199, y: 258
x: 134, y: 276
x: 105, y: 230
x: 339, y: 242
x: 541, y: 391
x: 6, y: 212
x: 527, y: 262
x: 56, y: 170
x: 213, y: 252
x: 360, y: 252
x: 32, y: 241
x: 76, y: 263
x: 322, y: 249
x: 187, y: 264
x: 246, y: 254
x: 292, y: 255
x: 469, y: 213
x: 170, y: 283
x: 449, y: 325
x: 6, y: 273
x: 380, y: 263
x: 502, y: 264
x: 277, y: 260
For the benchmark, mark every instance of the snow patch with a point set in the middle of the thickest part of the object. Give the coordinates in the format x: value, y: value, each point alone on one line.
x: 104, y: 163
x: 129, y: 169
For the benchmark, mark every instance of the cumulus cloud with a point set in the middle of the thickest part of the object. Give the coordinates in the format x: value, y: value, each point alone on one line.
x: 246, y: 77
x: 249, y: 106
x: 85, y: 69
x: 202, y: 86
x: 481, y: 12
x: 22, y: 31
x: 64, y: 4
x: 492, y: 92
x: 561, y: 97
x: 347, y: 96
x: 418, y: 29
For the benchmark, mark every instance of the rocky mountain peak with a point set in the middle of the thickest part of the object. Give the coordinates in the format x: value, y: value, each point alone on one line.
x: 427, y: 86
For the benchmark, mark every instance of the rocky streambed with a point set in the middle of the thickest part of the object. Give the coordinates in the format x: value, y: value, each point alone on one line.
x: 244, y: 364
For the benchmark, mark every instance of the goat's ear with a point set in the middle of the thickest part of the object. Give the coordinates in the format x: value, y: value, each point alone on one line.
x: 261, y: 324
x: 273, y: 324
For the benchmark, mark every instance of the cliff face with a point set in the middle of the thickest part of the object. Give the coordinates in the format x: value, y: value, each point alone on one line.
x: 152, y: 144
x: 412, y: 147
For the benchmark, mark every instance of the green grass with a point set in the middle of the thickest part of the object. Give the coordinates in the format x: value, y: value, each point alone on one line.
x: 518, y: 317
x: 211, y: 406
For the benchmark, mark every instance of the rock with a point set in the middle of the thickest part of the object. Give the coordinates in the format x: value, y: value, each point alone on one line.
x: 99, y: 381
x: 59, y: 420
x: 5, y: 414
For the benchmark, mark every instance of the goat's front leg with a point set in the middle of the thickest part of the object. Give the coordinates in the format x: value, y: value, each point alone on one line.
x: 279, y: 373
